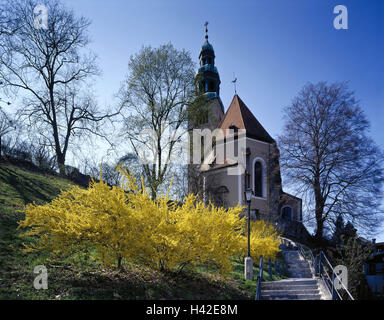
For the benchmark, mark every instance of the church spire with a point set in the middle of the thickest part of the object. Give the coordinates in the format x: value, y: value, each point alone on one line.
x: 206, y: 30
x: 210, y: 79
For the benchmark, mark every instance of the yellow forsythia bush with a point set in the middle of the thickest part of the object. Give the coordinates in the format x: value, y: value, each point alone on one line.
x: 125, y: 223
x: 264, y: 240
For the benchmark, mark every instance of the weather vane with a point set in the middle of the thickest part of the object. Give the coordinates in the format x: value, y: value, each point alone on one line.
x: 234, y: 82
x: 206, y: 29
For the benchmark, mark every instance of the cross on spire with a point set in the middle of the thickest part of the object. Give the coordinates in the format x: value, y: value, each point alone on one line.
x: 234, y: 82
x: 206, y: 29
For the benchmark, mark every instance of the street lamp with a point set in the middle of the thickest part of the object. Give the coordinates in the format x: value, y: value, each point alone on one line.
x: 248, y: 197
x: 248, y: 262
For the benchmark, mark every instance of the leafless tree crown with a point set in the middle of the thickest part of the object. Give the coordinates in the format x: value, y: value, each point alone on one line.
x: 50, y: 67
x: 327, y: 155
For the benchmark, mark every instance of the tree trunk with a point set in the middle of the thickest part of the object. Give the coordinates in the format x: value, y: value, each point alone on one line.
x: 319, y: 230
x: 319, y: 209
x: 119, y: 260
x: 153, y: 193
x: 61, y: 162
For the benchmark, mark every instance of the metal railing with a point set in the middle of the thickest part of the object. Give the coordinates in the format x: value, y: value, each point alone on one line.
x: 329, y: 277
x: 322, y: 268
x: 259, y: 279
x: 307, y: 255
x: 275, y: 268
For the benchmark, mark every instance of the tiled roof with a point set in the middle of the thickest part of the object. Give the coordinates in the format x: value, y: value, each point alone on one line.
x: 240, y: 116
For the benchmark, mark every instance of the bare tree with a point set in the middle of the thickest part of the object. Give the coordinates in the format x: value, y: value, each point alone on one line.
x: 157, y: 94
x: 49, y: 66
x: 7, y: 125
x: 110, y: 174
x: 327, y: 155
x: 131, y: 162
x: 42, y: 155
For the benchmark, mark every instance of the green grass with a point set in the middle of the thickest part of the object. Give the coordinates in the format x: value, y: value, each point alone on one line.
x: 19, y: 187
x: 79, y: 277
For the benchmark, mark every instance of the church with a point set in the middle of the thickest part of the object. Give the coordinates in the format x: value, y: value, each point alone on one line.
x: 262, y: 170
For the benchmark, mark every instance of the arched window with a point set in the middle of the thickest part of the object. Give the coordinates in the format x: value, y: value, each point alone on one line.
x: 286, y: 213
x: 258, y: 177
x: 235, y: 140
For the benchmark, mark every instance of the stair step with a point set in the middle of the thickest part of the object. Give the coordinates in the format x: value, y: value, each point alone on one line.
x: 287, y: 285
x: 291, y: 291
x: 300, y: 286
x: 292, y: 281
x: 289, y: 288
x: 291, y: 297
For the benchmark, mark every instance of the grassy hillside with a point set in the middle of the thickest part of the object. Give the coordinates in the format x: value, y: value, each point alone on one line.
x: 81, y: 278
x: 19, y: 186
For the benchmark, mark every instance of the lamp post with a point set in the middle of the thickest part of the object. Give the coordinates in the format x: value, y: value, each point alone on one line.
x: 248, y: 196
x: 248, y: 262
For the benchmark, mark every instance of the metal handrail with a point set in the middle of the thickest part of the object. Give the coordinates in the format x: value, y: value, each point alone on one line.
x: 259, y: 279
x: 333, y: 290
x: 303, y: 253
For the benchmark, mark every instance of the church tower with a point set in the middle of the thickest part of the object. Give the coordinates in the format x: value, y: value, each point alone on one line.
x: 209, y: 83
x: 210, y: 76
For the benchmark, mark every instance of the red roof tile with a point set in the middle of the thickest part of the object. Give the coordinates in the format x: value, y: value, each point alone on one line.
x: 240, y: 116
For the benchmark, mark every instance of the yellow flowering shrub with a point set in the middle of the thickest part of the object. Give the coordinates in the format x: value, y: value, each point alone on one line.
x: 264, y: 240
x: 125, y: 223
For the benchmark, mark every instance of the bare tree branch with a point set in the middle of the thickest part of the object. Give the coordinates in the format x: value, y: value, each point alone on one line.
x: 325, y: 151
x: 47, y: 65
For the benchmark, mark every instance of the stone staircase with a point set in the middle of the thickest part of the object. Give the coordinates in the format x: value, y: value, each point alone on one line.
x: 290, y: 289
x: 298, y: 267
x: 301, y: 285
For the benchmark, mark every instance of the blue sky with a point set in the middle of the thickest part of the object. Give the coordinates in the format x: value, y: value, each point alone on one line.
x: 272, y: 46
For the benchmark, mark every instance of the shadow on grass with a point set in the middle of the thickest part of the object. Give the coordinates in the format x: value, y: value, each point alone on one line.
x: 28, y: 189
x: 130, y: 284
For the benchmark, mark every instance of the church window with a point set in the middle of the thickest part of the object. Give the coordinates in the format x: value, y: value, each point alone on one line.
x: 234, y: 128
x: 211, y: 86
x: 248, y: 169
x: 235, y: 140
x: 258, y: 176
x: 287, y: 213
